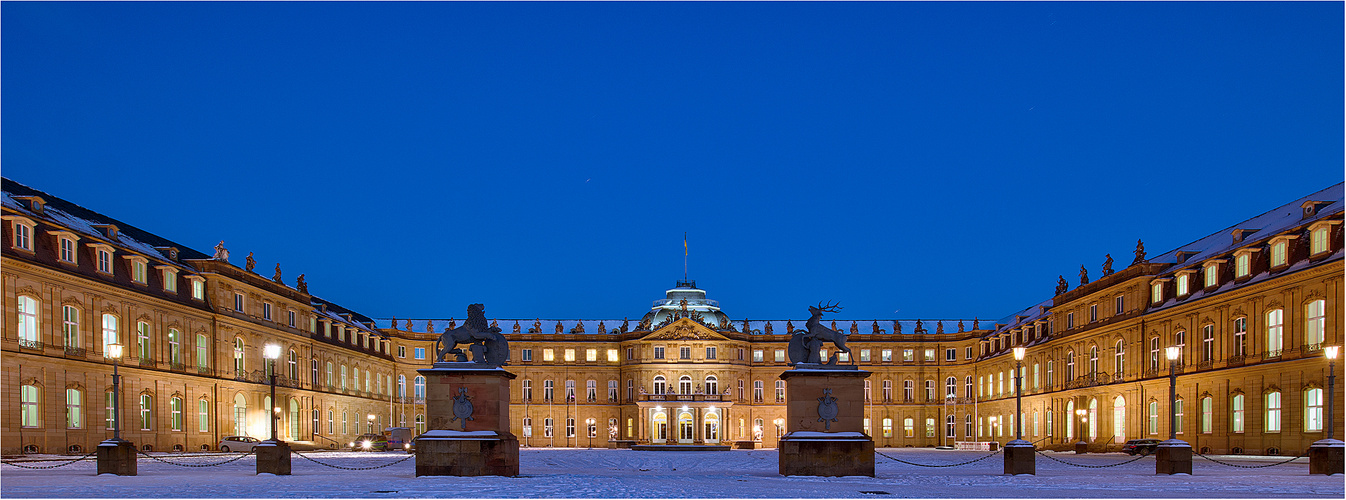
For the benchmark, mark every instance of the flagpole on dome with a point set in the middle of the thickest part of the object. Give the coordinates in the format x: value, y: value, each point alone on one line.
x: 684, y: 256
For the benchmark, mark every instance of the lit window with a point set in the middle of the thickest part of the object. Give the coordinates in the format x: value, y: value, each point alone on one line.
x: 1211, y: 274
x: 886, y: 355
x: 887, y: 427
x: 68, y: 250
x: 569, y: 354
x: 70, y: 325
x: 1242, y: 264
x: 1182, y: 284
x: 175, y: 413
x: 1208, y: 343
x: 1274, y: 327
x: 1273, y: 411
x: 203, y: 416
x: 1154, y: 417
x: 780, y: 355
x: 780, y: 391
x: 929, y: 354
x: 1157, y: 292
x: 23, y: 236
x: 1313, y: 411
x: 198, y: 288
x: 143, y: 340
x: 1207, y: 414
x: 612, y: 355
x: 1240, y: 336
x: 170, y: 277
x: 174, y: 347
x: 1315, y: 322
x: 28, y: 315
x: 757, y: 356
x: 908, y: 355
x: 1177, y: 415
x: 1318, y: 239
x: 105, y: 259
x: 864, y: 355
x: 908, y: 427
x: 548, y: 355
x: 202, y: 361
x: 591, y: 355
x: 139, y: 270
x: 28, y: 406
x: 1278, y: 255
x: 146, y: 412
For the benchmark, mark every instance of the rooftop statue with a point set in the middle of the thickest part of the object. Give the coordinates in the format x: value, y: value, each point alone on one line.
x: 1107, y: 266
x: 487, y: 345
x: 276, y: 277
x: 300, y: 284
x: 1061, y: 285
x: 1084, y: 275
x: 877, y: 329
x: 250, y: 263
x: 939, y: 327
x: 805, y: 344
x: 537, y: 326
x: 1140, y: 253
x: 960, y: 326
x: 516, y: 326
x: 221, y: 253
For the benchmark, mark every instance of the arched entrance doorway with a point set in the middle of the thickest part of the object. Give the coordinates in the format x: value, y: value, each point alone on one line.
x: 712, y: 428
x: 659, y: 427
x: 686, y: 427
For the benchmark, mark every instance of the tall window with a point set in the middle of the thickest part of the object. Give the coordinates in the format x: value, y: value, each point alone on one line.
x: 67, y: 250
x: 203, y: 416
x: 104, y: 261
x: 1241, y: 264
x: 967, y: 383
x: 1154, y: 417
x: 712, y: 385
x: 547, y: 427
x: 684, y: 385
x: 175, y: 413
x: 1236, y: 411
x: 757, y: 390
x: 887, y: 390
x: 143, y: 340
x: 909, y: 427
x: 1154, y: 353
x: 110, y: 335
x: 292, y: 365
x: 612, y: 390
x: 951, y: 387
x: 1318, y: 240
x: 1182, y: 285
x: 1093, y: 361
x: 1273, y: 401
x: 1177, y: 415
x: 527, y: 427
x: 887, y: 427
x: 418, y: 386
x: 170, y: 280
x: 238, y: 355
x: 1070, y: 365
x: 146, y: 415
x: 570, y: 390
x: 174, y: 346
x: 908, y: 390
x: 548, y: 390
x: 1313, y: 410
x: 70, y: 325
x: 1208, y: 343
x: 1212, y: 277
x: 1119, y: 358
x: 73, y: 415
x: 929, y: 390
x: 780, y: 391
x: 570, y: 427
x: 527, y: 387
x: 591, y: 390
x: 1274, y: 327
x: 1241, y: 336
x: 28, y: 311
x: 1278, y: 253
x: 201, y: 358
x: 1207, y: 414
x: 28, y: 406
x: 109, y: 414
x: 1315, y: 322
x: 1118, y: 418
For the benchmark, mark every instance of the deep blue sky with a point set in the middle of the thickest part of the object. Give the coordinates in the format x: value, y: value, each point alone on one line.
x: 931, y: 160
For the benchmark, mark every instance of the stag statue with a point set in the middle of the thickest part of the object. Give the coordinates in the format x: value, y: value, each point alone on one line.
x: 805, y: 344
x: 486, y: 343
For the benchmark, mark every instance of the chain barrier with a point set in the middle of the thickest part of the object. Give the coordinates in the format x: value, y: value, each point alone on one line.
x: 1301, y: 455
x: 301, y: 455
x: 1091, y: 466
x: 92, y: 453
x: 157, y: 459
x: 940, y: 465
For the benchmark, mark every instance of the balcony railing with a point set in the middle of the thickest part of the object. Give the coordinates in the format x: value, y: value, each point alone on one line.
x: 1237, y: 360
x: 75, y: 352
x: 30, y: 344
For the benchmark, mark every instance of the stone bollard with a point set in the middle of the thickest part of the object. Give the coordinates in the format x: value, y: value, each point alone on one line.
x: 1081, y: 448
x: 1173, y: 456
x: 1020, y: 458
x: 273, y: 457
x: 116, y: 456
x: 1326, y: 456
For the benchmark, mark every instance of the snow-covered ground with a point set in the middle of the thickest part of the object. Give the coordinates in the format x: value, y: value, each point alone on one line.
x: 601, y: 473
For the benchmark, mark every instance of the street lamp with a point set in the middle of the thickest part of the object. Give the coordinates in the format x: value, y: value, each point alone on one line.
x: 369, y: 427
x: 1331, y: 353
x: 589, y: 423
x: 272, y: 352
x: 1019, y: 458
x: 1326, y: 454
x: 1083, y: 445
x: 1173, y: 353
x: 114, y: 352
x: 1019, y: 393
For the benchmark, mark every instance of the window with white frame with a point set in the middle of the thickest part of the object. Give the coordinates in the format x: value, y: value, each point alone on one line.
x: 146, y: 412
x: 1177, y: 415
x: 1207, y: 414
x: 28, y: 407
x: 28, y: 315
x: 1154, y: 353
x: 1240, y: 336
x: 591, y: 390
x: 1180, y: 340
x: 951, y: 387
x: 886, y: 355
x: 73, y: 415
x: 1154, y: 417
x: 238, y: 302
x: 1211, y: 274
x: 658, y: 353
x: 757, y: 390
x: 780, y: 355
x: 758, y: 356
x: 591, y: 355
x: 419, y: 353
x: 1207, y: 343
x: 202, y: 361
x: 170, y: 277
x: 1315, y: 322
x: 1070, y: 320
x: 908, y: 390
x: 780, y: 391
x: 418, y: 387
x: 1273, y: 415
x: 612, y: 390
x: 23, y: 234
x: 139, y: 269
x: 290, y: 316
x: 929, y: 355
x: 526, y: 354
x: 1183, y: 284
x: 143, y: 348
x: 175, y: 413
x: 203, y: 416
x: 1093, y: 313
x: 1119, y: 357
x: 198, y: 288
x: 174, y: 347
x: 1318, y: 239
x: 104, y: 254
x: 1275, y: 318
x: 612, y: 356
x: 1157, y: 292
x: 967, y: 386
x: 967, y: 354
x: 266, y: 311
x: 68, y: 253
x: 950, y: 354
x: 1118, y: 305
x: 1313, y: 410
x: 570, y: 390
x: 1242, y: 264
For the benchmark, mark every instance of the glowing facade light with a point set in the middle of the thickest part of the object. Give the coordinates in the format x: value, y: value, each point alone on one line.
x: 1331, y: 352
x: 1019, y: 353
x: 271, y: 351
x: 113, y: 351
x: 1173, y: 352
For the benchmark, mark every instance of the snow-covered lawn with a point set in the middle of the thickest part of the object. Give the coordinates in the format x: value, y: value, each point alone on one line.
x: 602, y: 473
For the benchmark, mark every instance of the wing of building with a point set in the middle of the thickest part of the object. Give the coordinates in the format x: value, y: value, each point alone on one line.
x: 1251, y: 307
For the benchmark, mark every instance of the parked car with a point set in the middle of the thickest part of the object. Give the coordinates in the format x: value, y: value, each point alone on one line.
x: 399, y: 438
x: 238, y: 443
x: 1140, y: 446
x: 370, y: 442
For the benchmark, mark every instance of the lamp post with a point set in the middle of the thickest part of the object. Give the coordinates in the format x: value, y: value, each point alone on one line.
x: 116, y: 456
x: 114, y: 351
x: 1326, y: 455
x: 1173, y: 456
x: 1019, y: 454
x: 369, y: 427
x: 1083, y: 445
x: 272, y: 352
x: 589, y: 429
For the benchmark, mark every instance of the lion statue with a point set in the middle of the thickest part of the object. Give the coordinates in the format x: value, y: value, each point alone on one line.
x: 486, y: 343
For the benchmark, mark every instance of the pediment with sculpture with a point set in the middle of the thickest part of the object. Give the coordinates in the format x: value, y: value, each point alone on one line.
x: 684, y: 329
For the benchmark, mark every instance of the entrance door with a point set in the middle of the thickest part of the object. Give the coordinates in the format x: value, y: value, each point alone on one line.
x: 712, y: 431
x: 659, y: 428
x: 686, y: 426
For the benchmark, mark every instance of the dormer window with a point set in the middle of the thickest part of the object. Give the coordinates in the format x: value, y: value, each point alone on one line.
x: 108, y: 230
x: 139, y: 269
x: 170, y: 277
x: 198, y: 287
x: 1157, y: 290
x: 102, y: 257
x: 1211, y: 273
x: 1280, y: 250
x: 66, y: 246
x: 23, y: 232
x: 1243, y: 259
x: 35, y: 203
x: 1318, y: 233
x: 1183, y: 279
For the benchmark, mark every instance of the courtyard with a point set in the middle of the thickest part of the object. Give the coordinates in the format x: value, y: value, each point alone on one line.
x: 604, y: 473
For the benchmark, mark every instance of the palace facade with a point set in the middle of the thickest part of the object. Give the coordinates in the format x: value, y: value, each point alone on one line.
x: 1250, y: 306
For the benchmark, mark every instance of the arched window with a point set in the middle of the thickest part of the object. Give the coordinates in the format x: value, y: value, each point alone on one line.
x: 1119, y: 358
x: 1313, y: 410
x: 292, y: 363
x: 240, y: 415
x: 1070, y: 366
x: 419, y: 387
x: 887, y: 427
x: 1207, y: 414
x: 28, y: 406
x: 527, y: 427
x: 1154, y: 417
x: 1273, y: 405
x: 343, y: 378
x: 146, y: 412
x: 402, y: 386
x: 712, y: 385
x: 591, y: 390
x: 294, y: 418
x: 908, y: 427
x: 684, y: 384
x: 73, y: 402
x: 110, y: 334
x: 202, y: 348
x: 28, y: 311
x: 1119, y: 419
x: 329, y: 376
x: 1093, y: 361
x: 951, y: 387
x: 1093, y: 420
x: 345, y: 422
x: 203, y: 415
x: 1274, y: 329
x: 908, y: 390
x: 1070, y: 420
x: 659, y: 387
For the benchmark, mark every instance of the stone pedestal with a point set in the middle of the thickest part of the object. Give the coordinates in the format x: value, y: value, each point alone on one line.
x: 117, y: 457
x: 482, y: 446
x: 1173, y: 456
x: 1020, y: 458
x: 814, y: 446
x: 1325, y: 456
x: 1081, y: 447
x: 273, y: 457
